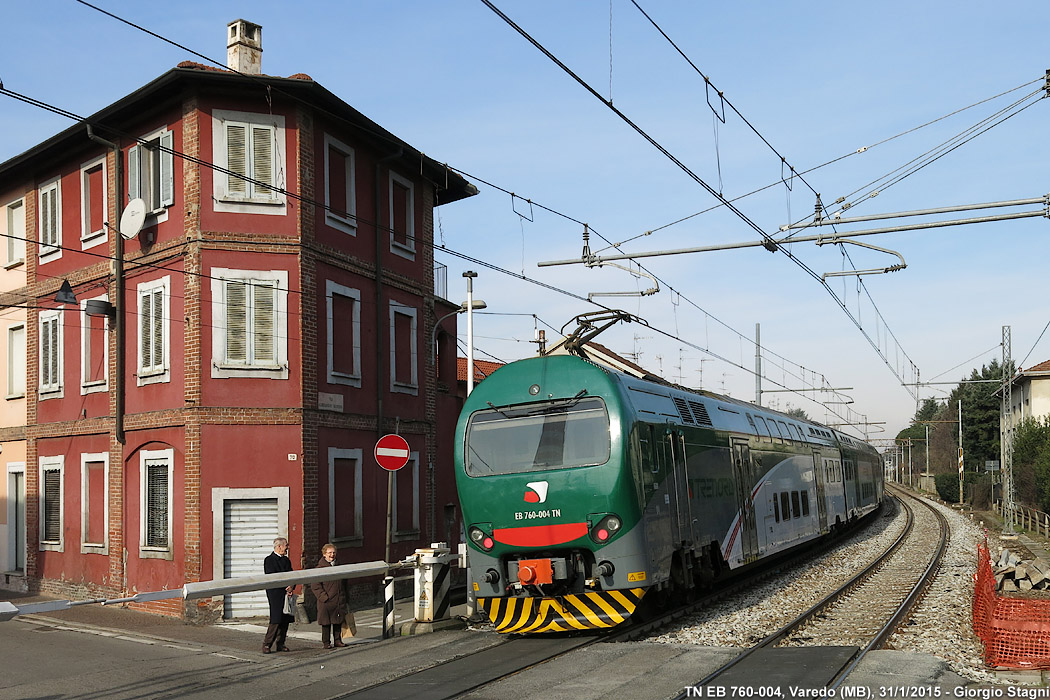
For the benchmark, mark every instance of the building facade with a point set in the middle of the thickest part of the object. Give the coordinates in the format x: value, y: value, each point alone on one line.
x: 253, y: 272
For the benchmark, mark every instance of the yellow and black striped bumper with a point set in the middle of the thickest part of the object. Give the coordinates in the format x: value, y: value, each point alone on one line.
x: 589, y: 611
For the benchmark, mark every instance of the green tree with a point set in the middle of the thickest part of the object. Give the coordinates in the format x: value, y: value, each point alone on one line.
x: 797, y: 413
x: 980, y: 414
x: 1031, y: 463
x: 917, y: 430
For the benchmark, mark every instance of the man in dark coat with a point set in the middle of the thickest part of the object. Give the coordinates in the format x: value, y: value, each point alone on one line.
x: 277, y: 631
x: 331, y: 602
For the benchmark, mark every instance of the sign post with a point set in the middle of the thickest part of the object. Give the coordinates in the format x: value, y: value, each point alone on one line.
x: 391, y: 453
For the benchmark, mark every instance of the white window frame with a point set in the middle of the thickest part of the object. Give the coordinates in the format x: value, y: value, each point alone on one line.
x: 168, y: 458
x: 90, y: 239
x: 91, y: 387
x: 85, y: 546
x: 51, y: 319
x: 333, y: 289
x: 47, y: 464
x: 412, y: 386
x: 157, y: 372
x: 50, y: 242
x: 264, y: 201
x: 348, y: 223
x: 151, y: 162
x: 16, y: 362
x: 356, y: 456
x: 11, y: 563
x: 221, y: 368
x: 15, y: 228
x: 407, y: 249
x: 401, y: 532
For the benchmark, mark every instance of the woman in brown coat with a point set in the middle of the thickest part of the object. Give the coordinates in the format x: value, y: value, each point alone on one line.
x: 331, y: 602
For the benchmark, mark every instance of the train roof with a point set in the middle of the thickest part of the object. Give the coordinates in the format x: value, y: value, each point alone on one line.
x: 707, y: 409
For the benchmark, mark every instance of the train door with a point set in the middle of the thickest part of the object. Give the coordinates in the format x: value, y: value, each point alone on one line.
x: 849, y: 484
x: 682, y: 520
x: 822, y: 506
x: 744, y: 473
x: 657, y: 525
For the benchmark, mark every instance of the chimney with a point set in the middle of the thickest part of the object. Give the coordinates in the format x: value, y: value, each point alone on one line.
x: 244, y: 47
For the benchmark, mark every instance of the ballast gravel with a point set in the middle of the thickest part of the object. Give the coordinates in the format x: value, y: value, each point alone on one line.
x: 941, y: 624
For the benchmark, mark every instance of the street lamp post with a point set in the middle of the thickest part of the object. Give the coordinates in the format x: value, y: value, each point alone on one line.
x: 470, y: 329
x: 465, y: 306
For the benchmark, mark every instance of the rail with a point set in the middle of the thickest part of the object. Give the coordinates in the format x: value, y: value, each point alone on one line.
x: 893, y: 621
x: 1026, y: 518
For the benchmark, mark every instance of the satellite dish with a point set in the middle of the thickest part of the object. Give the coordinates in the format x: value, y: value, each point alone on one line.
x: 132, y: 218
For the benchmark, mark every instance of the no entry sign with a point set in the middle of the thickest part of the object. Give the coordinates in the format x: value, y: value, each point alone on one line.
x: 392, y: 452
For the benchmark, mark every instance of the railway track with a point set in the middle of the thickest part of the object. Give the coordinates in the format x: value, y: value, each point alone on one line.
x: 516, y: 654
x: 852, y: 620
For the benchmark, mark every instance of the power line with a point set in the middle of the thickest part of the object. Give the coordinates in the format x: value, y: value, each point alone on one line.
x: 722, y: 97
x: 307, y: 200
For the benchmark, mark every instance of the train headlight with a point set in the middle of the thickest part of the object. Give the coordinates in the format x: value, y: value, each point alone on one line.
x: 605, y: 528
x: 481, y: 538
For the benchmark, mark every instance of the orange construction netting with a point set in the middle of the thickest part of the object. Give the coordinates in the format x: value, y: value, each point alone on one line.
x: 1015, y: 631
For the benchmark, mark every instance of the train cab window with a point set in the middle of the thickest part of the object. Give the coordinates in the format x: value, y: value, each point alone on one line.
x: 795, y: 507
x: 534, y: 437
x: 776, y: 508
x: 805, y: 503
x: 785, y: 505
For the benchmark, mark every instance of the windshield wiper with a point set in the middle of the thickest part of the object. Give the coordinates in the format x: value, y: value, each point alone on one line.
x: 493, y: 407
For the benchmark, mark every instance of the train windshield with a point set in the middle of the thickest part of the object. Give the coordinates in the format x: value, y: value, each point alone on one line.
x: 531, y: 438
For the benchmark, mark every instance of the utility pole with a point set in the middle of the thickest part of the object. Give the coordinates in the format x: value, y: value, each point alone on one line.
x: 960, y: 455
x: 1006, y: 441
x: 758, y: 364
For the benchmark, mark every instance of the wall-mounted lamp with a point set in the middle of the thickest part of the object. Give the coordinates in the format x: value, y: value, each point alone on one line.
x: 65, y: 294
x: 100, y: 307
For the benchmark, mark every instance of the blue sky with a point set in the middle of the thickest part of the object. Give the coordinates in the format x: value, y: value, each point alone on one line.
x: 817, y: 80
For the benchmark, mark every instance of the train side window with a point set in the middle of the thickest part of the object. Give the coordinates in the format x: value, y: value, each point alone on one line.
x: 795, y: 432
x: 654, y: 464
x: 785, y: 506
x: 805, y: 503
x: 784, y: 430
x: 763, y: 429
x: 794, y: 504
x: 776, y: 508
x: 775, y: 431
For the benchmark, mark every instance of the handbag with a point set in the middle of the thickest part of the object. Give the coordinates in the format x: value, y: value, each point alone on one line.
x: 289, y: 604
x: 349, y: 627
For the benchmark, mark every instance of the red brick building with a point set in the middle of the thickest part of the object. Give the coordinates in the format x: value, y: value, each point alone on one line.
x: 278, y: 311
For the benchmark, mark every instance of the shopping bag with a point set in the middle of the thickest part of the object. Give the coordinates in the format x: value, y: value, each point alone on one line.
x: 289, y: 604
x: 349, y: 624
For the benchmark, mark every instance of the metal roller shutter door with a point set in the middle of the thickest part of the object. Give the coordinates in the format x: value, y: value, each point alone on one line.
x: 249, y: 528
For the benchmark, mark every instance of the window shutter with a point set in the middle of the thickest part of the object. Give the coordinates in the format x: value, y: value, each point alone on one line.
x: 157, y: 505
x: 167, y: 177
x: 262, y: 158
x: 45, y: 354
x: 48, y: 216
x: 134, y: 179
x: 52, y: 237
x: 157, y: 327
x: 49, y: 354
x: 145, y: 336
x: 236, y: 159
x: 263, y: 312
x: 52, y: 505
x: 236, y: 322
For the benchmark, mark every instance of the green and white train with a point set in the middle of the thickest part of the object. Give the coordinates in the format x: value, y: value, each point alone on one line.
x: 584, y: 489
